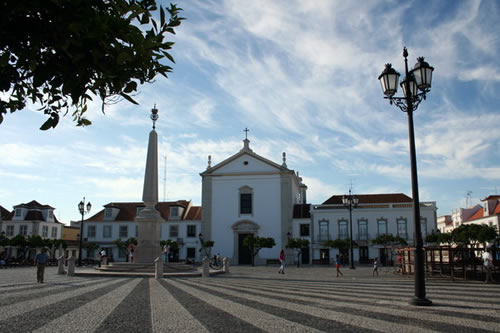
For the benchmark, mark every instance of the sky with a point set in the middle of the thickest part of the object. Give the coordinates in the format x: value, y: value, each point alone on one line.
x: 302, y: 76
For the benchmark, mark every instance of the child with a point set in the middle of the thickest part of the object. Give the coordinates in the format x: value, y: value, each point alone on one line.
x: 337, y: 266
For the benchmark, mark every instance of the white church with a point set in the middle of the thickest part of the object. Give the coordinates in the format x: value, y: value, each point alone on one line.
x: 249, y: 194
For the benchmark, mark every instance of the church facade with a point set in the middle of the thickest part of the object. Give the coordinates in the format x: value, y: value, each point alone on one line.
x: 249, y: 194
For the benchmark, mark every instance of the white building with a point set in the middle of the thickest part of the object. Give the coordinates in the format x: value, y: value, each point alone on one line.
x: 249, y: 194
x: 376, y: 214
x: 182, y: 224
x: 31, y: 219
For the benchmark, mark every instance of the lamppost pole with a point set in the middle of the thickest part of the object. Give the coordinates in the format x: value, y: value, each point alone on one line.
x: 350, y: 202
x: 417, y: 79
x: 81, y: 208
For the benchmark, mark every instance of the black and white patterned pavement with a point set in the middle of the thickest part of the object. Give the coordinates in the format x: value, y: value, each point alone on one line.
x: 247, y: 300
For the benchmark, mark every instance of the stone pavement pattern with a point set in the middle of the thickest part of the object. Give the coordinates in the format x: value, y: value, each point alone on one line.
x: 247, y: 300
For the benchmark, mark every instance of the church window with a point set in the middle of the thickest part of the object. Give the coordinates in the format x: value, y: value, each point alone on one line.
x: 343, y: 229
x: 246, y: 194
x: 173, y: 231
x: 304, y: 230
x: 382, y: 227
x: 245, y: 163
x: 191, y: 230
x: 323, y: 230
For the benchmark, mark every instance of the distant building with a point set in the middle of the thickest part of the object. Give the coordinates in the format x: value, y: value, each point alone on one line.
x: 182, y: 224
x: 488, y: 213
x: 376, y: 214
x: 30, y: 219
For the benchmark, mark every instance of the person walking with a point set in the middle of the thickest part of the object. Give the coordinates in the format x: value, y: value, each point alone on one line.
x: 282, y: 262
x: 337, y: 265
x: 131, y: 254
x: 488, y: 265
x: 40, y: 261
x: 375, y: 266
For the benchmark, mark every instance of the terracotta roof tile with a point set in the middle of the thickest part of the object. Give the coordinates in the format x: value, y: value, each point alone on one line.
x: 497, y: 209
x: 371, y: 198
x: 33, y: 204
x: 301, y: 211
x: 4, y: 213
x: 477, y: 215
x: 128, y: 210
x: 194, y: 213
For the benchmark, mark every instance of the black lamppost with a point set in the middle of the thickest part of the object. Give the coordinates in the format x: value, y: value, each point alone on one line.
x: 350, y: 202
x: 415, y: 85
x: 81, y: 208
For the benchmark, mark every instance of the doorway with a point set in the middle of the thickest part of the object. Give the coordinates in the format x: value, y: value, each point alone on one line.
x: 244, y: 257
x: 363, y: 255
x: 324, y: 256
x: 305, y: 255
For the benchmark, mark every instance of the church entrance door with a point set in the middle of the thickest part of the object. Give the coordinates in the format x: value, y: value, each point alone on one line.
x: 244, y: 257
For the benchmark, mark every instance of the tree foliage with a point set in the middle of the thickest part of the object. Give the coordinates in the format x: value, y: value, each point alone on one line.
x: 389, y: 240
x: 341, y: 244
x: 471, y: 234
x: 297, y: 244
x: 255, y: 244
x: 58, y: 54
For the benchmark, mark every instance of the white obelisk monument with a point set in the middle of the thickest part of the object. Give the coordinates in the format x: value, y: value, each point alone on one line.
x: 149, y: 219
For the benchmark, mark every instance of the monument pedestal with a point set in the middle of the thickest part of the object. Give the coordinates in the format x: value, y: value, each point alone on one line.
x: 148, y: 235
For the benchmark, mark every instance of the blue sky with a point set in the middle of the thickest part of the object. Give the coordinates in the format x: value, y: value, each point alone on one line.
x: 302, y: 76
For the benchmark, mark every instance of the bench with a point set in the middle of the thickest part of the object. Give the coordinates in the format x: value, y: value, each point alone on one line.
x: 272, y: 262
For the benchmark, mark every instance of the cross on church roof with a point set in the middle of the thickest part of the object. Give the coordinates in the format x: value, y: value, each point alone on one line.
x: 246, y: 130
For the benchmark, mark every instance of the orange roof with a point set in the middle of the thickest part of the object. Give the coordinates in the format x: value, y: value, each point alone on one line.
x: 497, y: 209
x: 128, y: 210
x: 477, y: 215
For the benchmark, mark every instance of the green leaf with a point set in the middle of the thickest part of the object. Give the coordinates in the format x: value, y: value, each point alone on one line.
x: 128, y: 98
x: 162, y: 16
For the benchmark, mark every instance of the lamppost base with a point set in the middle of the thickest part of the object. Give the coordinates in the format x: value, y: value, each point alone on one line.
x: 352, y: 267
x: 417, y: 301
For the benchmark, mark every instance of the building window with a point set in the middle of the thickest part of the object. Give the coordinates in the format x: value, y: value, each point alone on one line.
x: 343, y: 229
x: 18, y: 211
x: 91, y: 231
x: 106, y: 231
x: 138, y: 210
x: 50, y: 214
x: 45, y: 231
x: 108, y: 212
x: 54, y: 232
x: 174, y: 211
x: 245, y: 203
x: 363, y: 229
x: 402, y: 228
x: 10, y: 230
x: 323, y: 230
x: 304, y: 230
x: 382, y: 227
x: 173, y: 231
x: 23, y: 230
x: 423, y: 226
x: 123, y: 231
x: 191, y: 230
x: 246, y: 200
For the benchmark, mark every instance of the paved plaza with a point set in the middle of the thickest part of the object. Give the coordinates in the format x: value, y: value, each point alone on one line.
x: 250, y: 299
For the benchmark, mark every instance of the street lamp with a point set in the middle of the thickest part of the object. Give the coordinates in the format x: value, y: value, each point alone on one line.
x: 81, y: 208
x: 415, y: 85
x: 350, y: 202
